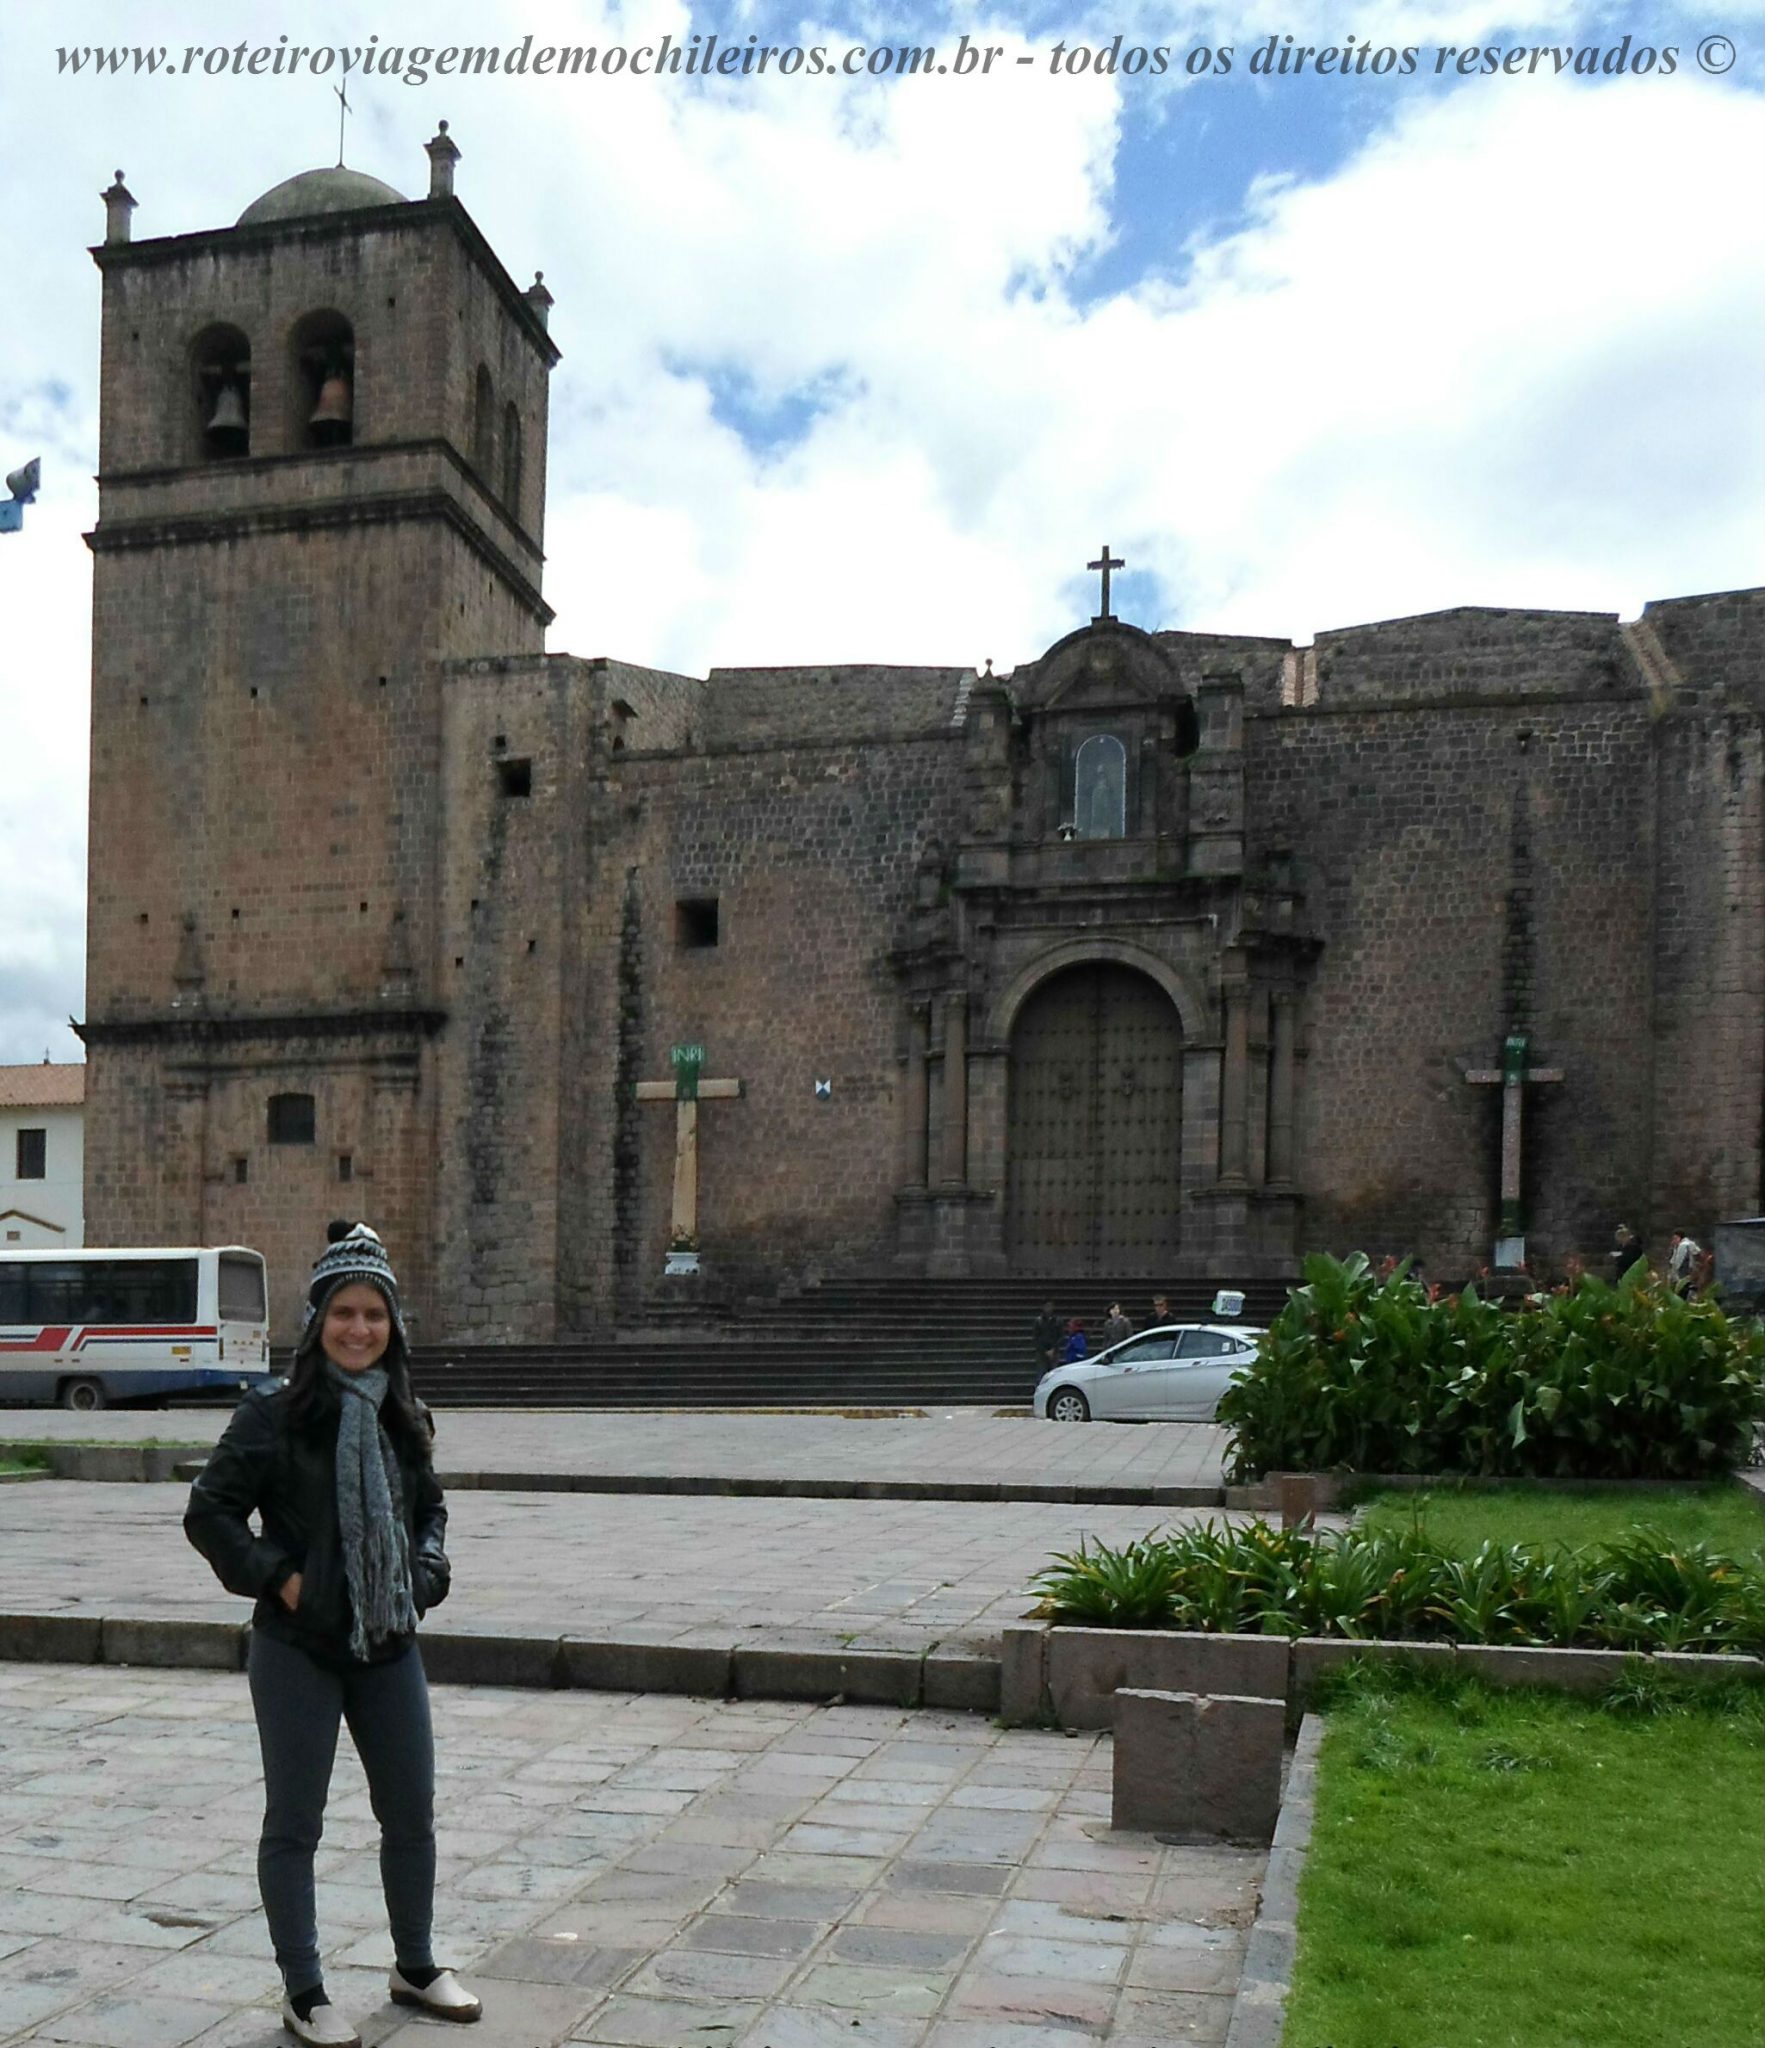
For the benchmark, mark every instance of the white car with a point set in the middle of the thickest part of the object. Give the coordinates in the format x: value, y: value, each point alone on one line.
x: 1176, y: 1372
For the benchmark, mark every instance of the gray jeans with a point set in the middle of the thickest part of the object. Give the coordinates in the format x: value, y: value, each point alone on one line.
x: 299, y: 1704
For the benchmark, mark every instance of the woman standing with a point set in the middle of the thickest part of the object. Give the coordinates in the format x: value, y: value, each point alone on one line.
x: 336, y: 1461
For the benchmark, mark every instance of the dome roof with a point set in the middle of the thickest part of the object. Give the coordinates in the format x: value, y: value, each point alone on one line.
x: 332, y: 190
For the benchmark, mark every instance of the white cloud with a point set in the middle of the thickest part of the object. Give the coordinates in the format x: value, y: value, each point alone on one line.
x: 1504, y: 354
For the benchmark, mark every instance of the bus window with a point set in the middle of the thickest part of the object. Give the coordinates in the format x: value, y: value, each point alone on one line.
x: 241, y: 1290
x: 12, y: 1294
x: 55, y: 1293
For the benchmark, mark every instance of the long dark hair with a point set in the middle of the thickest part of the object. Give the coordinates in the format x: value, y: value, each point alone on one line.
x: 310, y: 1393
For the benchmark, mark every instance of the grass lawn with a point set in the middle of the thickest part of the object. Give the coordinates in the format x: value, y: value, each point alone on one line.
x: 1721, y: 1515
x: 1528, y: 1870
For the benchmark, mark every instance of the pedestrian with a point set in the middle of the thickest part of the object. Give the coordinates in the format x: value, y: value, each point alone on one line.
x: 1045, y: 1338
x: 1626, y: 1250
x: 1116, y: 1326
x: 1074, y: 1348
x: 337, y: 1461
x: 1683, y: 1255
x: 1161, y: 1311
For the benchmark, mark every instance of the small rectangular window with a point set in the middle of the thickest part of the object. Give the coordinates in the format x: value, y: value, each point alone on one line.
x: 33, y: 1155
x: 241, y: 1172
x: 292, y: 1120
x: 515, y: 778
x: 346, y: 1166
x: 695, y: 921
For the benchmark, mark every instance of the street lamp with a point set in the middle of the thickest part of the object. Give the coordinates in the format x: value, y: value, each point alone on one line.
x: 23, y: 484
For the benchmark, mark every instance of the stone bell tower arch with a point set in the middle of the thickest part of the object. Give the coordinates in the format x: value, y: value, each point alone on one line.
x: 300, y: 515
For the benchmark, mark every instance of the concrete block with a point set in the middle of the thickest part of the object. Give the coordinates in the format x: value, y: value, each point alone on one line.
x: 1314, y: 1655
x: 1712, y: 1670
x: 103, y: 1462
x: 1203, y: 1769
x: 49, y: 1638
x: 1023, y: 1651
x: 172, y: 1645
x: 888, y: 1678
x: 453, y: 1657
x: 606, y: 1666
x: 161, y: 1462
x: 962, y: 1683
x: 1560, y: 1670
x: 1087, y: 1666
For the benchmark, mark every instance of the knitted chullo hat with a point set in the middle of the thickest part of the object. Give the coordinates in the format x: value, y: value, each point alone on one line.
x: 352, y: 1252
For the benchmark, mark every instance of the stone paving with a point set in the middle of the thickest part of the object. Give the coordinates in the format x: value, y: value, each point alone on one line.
x: 961, y: 1445
x: 628, y: 1872
x: 653, y: 1567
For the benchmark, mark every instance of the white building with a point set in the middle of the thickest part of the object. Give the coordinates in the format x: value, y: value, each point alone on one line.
x: 42, y: 1156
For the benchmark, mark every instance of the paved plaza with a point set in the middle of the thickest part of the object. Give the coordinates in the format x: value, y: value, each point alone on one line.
x: 962, y: 1446
x: 862, y: 1574
x: 631, y: 1871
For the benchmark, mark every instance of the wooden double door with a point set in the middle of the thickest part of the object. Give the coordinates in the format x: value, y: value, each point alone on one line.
x: 1094, y: 1130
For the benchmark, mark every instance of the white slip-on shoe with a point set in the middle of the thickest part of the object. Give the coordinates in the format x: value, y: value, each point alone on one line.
x: 444, y: 1997
x: 325, y: 2027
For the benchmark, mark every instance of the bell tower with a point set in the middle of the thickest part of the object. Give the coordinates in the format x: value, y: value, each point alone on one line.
x: 321, y: 475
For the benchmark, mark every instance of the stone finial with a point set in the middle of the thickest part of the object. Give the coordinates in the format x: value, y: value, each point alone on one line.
x: 444, y: 153
x: 119, y: 203
x: 539, y: 299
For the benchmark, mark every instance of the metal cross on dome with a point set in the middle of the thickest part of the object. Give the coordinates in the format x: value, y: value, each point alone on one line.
x: 344, y: 110
x: 1105, y: 561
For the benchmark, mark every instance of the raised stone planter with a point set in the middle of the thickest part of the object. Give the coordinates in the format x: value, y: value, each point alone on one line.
x: 1313, y: 1656
x: 1086, y: 1667
x: 1069, y: 1677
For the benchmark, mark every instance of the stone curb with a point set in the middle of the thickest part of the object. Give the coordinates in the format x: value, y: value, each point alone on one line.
x: 951, y: 1680
x: 747, y: 1487
x: 1259, y: 2012
x: 1302, y: 1493
x: 1065, y: 1676
x: 107, y: 1462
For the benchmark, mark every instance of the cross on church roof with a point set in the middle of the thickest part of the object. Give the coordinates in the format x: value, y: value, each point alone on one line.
x: 1105, y: 561
x: 344, y: 110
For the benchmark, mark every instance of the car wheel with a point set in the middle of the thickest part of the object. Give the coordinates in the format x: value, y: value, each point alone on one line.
x: 87, y: 1396
x: 1068, y: 1405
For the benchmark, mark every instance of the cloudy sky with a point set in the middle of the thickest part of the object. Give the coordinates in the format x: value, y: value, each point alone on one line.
x: 868, y: 369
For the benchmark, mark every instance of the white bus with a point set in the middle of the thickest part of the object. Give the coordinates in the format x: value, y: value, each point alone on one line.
x: 87, y: 1328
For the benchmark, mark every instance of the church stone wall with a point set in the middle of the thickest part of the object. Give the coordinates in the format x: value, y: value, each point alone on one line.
x: 810, y: 851
x: 1468, y: 868
x: 1709, y: 1052
x: 1471, y: 652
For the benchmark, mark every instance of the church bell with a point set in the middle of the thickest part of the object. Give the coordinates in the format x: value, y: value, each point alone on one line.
x: 331, y: 419
x: 226, y: 430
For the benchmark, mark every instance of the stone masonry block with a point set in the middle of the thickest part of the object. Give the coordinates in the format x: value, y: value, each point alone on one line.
x: 1023, y: 1652
x: 1086, y: 1666
x: 962, y: 1683
x: 172, y: 1645
x: 453, y: 1657
x: 49, y: 1638
x: 1313, y: 1656
x: 1206, y: 1769
x: 1708, y: 1669
x: 1561, y: 1670
x: 605, y: 1666
x: 878, y: 1677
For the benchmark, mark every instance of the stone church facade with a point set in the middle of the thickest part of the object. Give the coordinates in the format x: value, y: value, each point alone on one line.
x: 1166, y: 953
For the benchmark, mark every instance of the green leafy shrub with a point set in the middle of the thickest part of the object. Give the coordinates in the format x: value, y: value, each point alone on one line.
x: 1377, y: 1374
x: 1639, y: 1593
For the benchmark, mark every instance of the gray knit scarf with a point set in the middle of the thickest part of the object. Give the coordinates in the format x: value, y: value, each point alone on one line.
x: 370, y: 1513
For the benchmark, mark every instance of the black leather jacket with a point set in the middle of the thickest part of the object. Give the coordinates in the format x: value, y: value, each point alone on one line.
x: 288, y: 1475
